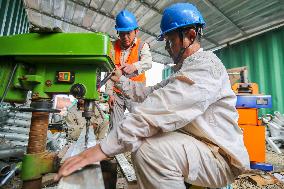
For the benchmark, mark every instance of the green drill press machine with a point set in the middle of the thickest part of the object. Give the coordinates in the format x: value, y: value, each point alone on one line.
x: 49, y: 64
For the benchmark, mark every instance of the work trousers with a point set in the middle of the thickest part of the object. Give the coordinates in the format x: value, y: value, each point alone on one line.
x: 121, y: 103
x: 167, y: 160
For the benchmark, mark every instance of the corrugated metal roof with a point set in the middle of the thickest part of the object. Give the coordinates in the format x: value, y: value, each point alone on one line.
x: 227, y: 21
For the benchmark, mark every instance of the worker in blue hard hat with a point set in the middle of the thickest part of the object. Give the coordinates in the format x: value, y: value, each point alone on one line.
x: 185, y: 128
x: 133, y: 56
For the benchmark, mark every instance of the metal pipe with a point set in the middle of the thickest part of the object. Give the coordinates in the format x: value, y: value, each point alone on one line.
x: 12, y: 152
x: 22, y: 115
x: 4, y: 168
x: 9, y: 83
x: 19, y: 143
x: 38, y: 132
x: 273, y: 145
x: 14, y: 136
x: 20, y: 130
x: 23, y: 123
x: 10, y: 175
x: 37, y: 142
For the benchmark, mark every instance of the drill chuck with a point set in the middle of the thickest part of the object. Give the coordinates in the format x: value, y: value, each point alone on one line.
x: 78, y: 90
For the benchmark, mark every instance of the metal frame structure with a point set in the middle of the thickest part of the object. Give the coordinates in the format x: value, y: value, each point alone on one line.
x: 227, y: 22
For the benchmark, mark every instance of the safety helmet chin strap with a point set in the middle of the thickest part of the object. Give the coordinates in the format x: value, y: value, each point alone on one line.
x: 178, y: 59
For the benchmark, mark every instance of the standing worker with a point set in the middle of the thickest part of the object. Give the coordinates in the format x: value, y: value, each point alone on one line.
x: 134, y: 56
x: 185, y: 129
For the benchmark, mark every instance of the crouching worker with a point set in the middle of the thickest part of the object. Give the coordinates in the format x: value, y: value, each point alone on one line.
x: 185, y: 128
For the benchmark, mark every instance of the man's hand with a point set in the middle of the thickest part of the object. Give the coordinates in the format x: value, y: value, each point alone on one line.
x: 111, y: 101
x: 72, y: 164
x: 117, y: 74
x: 129, y: 68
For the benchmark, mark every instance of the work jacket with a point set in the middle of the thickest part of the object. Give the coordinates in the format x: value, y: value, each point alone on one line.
x: 196, y: 100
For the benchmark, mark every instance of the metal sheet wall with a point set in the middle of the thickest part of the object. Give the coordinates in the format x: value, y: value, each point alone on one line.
x: 13, y: 17
x: 264, y: 56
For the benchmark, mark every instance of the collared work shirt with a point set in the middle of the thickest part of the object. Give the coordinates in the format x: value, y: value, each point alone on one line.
x: 198, y: 100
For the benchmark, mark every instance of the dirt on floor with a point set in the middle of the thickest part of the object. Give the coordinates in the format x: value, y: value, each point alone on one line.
x: 252, y: 180
x: 264, y: 180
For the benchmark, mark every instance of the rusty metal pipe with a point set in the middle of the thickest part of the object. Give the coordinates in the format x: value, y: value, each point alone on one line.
x: 37, y: 142
x: 38, y: 132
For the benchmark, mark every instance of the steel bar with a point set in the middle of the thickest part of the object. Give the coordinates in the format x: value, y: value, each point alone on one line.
x: 22, y: 123
x: 12, y: 152
x: 21, y: 115
x: 273, y: 145
x: 9, y: 83
x: 14, y: 136
x: 126, y: 168
x: 19, y: 143
x: 13, y: 129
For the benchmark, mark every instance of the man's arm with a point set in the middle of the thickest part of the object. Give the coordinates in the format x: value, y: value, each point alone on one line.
x: 137, y: 91
x: 109, y: 87
x: 109, y: 90
x: 145, y: 62
x: 166, y: 109
x: 87, y: 157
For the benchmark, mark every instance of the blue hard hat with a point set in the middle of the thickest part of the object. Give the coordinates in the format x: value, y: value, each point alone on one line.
x: 125, y: 21
x: 179, y: 15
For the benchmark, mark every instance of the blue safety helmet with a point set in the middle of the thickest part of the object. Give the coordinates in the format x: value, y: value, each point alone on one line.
x: 125, y: 21
x: 179, y: 15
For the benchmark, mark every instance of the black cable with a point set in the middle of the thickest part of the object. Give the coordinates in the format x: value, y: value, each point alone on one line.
x: 9, y: 83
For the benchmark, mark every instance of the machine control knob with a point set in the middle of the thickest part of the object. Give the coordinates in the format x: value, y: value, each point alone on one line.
x: 78, y: 90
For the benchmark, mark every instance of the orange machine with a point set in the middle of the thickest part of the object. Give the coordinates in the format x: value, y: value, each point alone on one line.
x: 248, y: 102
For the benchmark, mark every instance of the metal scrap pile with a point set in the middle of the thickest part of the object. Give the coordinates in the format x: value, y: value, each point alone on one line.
x: 275, y: 131
x: 262, y: 180
x: 15, y: 126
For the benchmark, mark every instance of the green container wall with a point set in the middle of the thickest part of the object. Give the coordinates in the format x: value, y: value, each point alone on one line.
x: 264, y: 56
x: 13, y: 17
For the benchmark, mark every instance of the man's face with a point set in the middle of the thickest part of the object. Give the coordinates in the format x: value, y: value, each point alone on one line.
x: 173, y: 43
x: 127, y: 38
